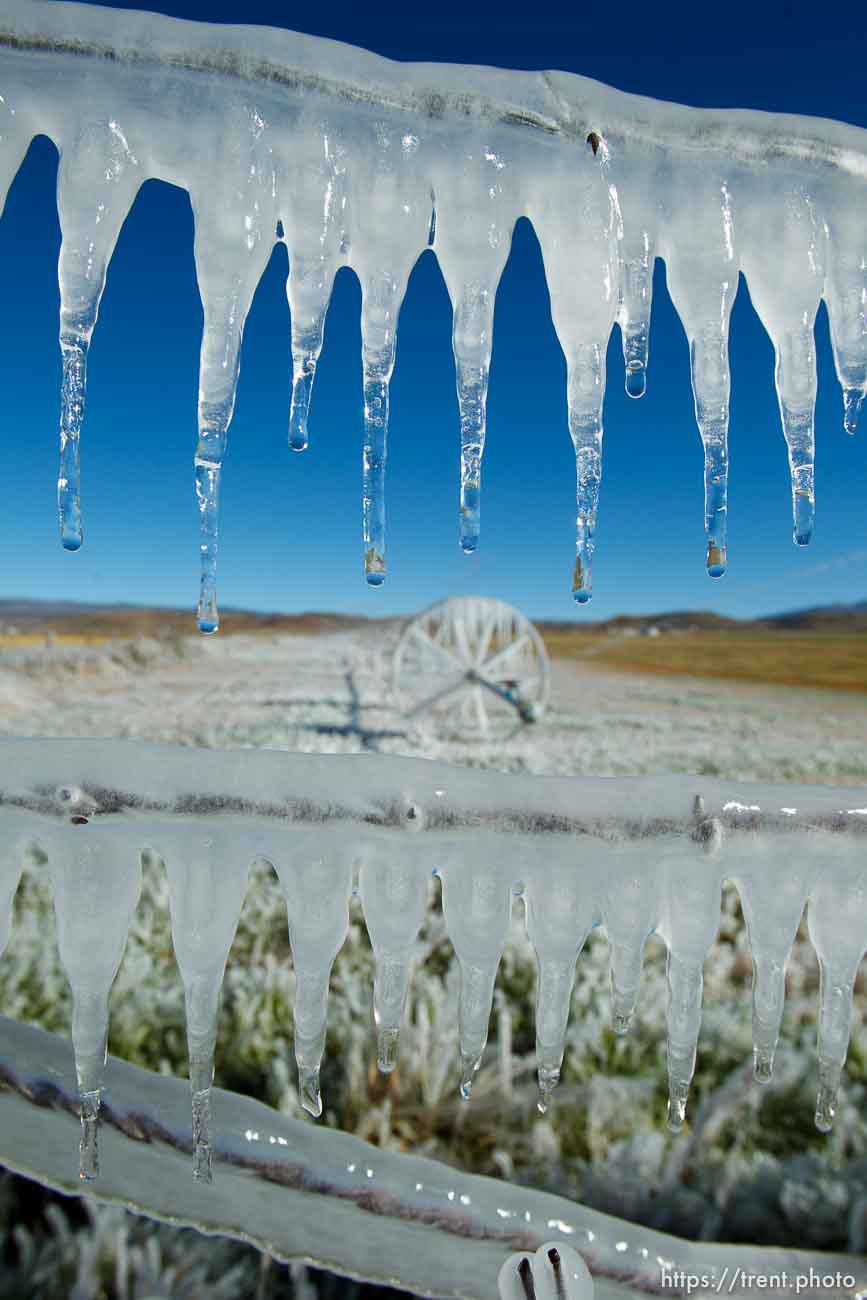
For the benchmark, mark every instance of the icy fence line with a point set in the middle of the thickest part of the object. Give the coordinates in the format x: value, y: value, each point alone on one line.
x: 636, y: 855
x: 395, y: 1219
x: 351, y: 159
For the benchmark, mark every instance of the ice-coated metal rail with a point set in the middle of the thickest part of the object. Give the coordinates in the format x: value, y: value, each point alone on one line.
x: 635, y: 855
x: 303, y: 1192
x: 351, y: 159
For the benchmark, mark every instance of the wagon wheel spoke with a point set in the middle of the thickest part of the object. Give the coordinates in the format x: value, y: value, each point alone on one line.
x: 424, y: 638
x: 496, y: 660
x: 431, y: 701
x: 467, y: 657
x: 484, y: 641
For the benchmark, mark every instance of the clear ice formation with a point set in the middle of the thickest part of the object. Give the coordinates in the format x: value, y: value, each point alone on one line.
x: 304, y: 1191
x: 353, y: 160
x: 635, y: 855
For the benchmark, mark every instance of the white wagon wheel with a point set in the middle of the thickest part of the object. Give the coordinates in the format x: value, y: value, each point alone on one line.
x: 475, y: 666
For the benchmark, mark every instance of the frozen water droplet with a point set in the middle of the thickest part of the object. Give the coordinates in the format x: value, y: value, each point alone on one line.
x: 636, y: 281
x: 304, y: 370
x: 636, y: 379
x: 582, y: 580
x: 852, y: 399
x: 763, y: 1064
x: 207, y: 494
x: 469, y: 1066
x: 72, y: 397
x: 678, y: 1095
x: 88, y: 1151
x: 387, y: 1040
x: 548, y: 1080
x: 374, y: 568
x: 470, y: 515
x: 621, y: 1017
x: 826, y: 1099
x: 716, y: 560
x: 308, y: 1088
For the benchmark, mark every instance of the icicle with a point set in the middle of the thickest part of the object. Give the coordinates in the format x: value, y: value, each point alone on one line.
x: 477, y: 905
x: 561, y: 910
x: 784, y: 263
x: 390, y: 205
x: 577, y: 221
x: 837, y: 921
x: 315, y: 218
x: 473, y: 239
x: 234, y: 237
x: 702, y: 273
x: 394, y: 897
x: 636, y: 294
x: 772, y: 904
x: 629, y: 910
x: 98, y: 179
x: 472, y: 339
x: 689, y: 925
x: 846, y: 299
x: 16, y: 132
x: 207, y: 873
x: 96, y: 878
x: 796, y: 388
x: 316, y: 876
x: 381, y: 298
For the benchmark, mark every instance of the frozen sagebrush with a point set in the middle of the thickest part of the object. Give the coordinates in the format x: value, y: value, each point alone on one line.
x: 353, y: 160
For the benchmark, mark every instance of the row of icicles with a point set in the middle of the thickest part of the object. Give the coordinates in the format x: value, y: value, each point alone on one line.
x: 472, y: 385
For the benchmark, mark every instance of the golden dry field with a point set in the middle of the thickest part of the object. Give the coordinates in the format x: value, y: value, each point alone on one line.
x: 829, y: 660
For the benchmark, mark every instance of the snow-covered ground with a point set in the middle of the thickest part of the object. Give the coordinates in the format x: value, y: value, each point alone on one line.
x: 333, y: 693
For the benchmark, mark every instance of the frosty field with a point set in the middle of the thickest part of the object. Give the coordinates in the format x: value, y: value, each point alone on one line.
x: 750, y: 1167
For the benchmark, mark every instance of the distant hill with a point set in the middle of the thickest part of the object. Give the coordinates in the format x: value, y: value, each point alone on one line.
x: 819, y: 618
x: 84, y: 619
x: 825, y: 618
x: 73, y: 619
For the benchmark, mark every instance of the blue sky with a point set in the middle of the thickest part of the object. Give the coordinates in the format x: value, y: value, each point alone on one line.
x: 290, y: 536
